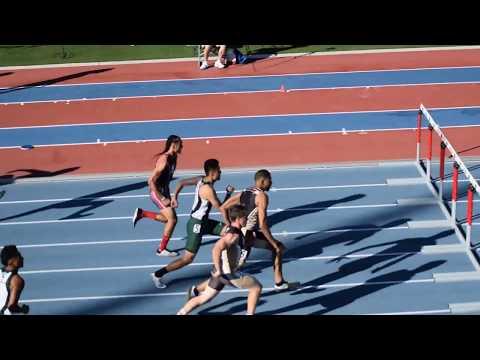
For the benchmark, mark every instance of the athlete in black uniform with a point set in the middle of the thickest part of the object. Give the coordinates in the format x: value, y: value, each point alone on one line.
x: 159, y: 183
x: 257, y: 232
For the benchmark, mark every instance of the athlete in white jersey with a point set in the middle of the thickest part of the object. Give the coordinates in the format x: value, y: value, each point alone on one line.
x: 256, y: 230
x: 226, y: 257
x: 11, y: 284
x: 199, y: 224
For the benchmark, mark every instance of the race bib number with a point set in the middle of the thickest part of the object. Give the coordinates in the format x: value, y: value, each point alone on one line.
x: 197, y: 228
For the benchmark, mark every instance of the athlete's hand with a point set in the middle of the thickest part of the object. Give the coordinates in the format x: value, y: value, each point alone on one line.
x: 174, y: 203
x: 165, y: 201
x: 230, y: 189
x: 217, y: 273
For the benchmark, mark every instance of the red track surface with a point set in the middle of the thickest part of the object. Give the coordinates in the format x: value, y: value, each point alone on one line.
x: 388, y: 98
x: 243, y: 152
x: 239, y: 152
x: 274, y: 66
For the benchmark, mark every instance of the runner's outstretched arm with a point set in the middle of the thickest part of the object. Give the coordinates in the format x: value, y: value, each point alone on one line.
x: 228, y: 204
x: 180, y: 185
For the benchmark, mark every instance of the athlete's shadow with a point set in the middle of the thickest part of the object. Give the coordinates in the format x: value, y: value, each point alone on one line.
x: 240, y: 308
x: 54, y: 80
x: 88, y: 202
x: 341, y: 298
x: 114, y: 306
x: 297, y: 211
x: 35, y: 173
x: 301, y: 210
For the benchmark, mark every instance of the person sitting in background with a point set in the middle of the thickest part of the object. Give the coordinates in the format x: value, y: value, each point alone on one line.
x: 220, y: 63
x: 234, y: 56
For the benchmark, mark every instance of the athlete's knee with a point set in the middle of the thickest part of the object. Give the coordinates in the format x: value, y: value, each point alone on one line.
x: 256, y: 289
x: 281, y: 247
x: 188, y: 257
x: 207, y: 295
x: 172, y: 218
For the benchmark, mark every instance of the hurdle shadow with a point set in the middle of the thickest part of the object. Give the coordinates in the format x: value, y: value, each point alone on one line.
x: 399, y: 251
x: 54, y: 80
x: 89, y: 202
x: 318, y: 241
x: 337, y: 299
x: 471, y: 168
x: 315, y: 248
x: 6, y: 73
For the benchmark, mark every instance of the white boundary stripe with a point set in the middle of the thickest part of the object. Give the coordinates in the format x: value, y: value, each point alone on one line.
x: 363, y: 132
x: 154, y: 266
x: 186, y: 59
x: 187, y: 194
x: 206, y: 237
x: 226, y: 291
x: 239, y: 92
x: 190, y: 172
x: 134, y: 122
x: 419, y: 312
x: 252, y: 76
x: 188, y: 214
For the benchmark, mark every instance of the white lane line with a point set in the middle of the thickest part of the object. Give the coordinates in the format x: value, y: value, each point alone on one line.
x: 239, y: 92
x: 188, y: 194
x: 207, y: 237
x: 419, y: 312
x: 226, y: 291
x: 363, y: 132
x: 154, y: 266
x: 250, y: 76
x: 234, y: 117
x: 188, y: 214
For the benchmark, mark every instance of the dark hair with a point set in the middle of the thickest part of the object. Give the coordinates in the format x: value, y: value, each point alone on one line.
x: 9, y: 252
x: 262, y: 174
x: 237, y: 211
x: 210, y: 164
x: 172, y: 139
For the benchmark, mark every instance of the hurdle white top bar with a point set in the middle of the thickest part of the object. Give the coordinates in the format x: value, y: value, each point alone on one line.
x: 455, y: 156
